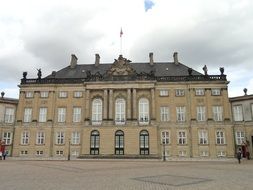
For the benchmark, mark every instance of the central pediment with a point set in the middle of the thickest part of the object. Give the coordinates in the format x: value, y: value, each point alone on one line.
x: 121, y: 67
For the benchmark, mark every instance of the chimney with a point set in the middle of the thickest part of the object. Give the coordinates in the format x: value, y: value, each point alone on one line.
x: 97, y: 59
x: 73, y: 61
x: 175, y: 58
x: 151, y: 59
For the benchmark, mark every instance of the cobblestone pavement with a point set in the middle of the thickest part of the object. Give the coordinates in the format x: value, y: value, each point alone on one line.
x: 125, y: 174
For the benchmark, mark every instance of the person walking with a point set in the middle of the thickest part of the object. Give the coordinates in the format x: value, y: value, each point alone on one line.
x: 239, y: 155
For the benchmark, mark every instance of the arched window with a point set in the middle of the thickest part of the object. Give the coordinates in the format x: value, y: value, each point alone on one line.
x: 119, y: 143
x: 94, y: 142
x: 120, y: 111
x: 144, y: 142
x: 143, y: 111
x: 96, y: 111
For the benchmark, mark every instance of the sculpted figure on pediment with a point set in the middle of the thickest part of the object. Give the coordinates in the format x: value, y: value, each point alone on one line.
x: 121, y: 67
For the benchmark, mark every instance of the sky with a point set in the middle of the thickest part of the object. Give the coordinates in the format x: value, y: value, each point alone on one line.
x: 44, y: 33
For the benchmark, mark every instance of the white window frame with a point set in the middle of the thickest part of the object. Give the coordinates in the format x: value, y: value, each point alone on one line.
x: 60, y: 138
x: 59, y: 152
x: 165, y: 137
x: 182, y: 137
x: 164, y: 113
x: 237, y: 113
x: 40, y: 138
x: 203, y: 137
x: 63, y: 94
x: 240, y: 137
x: 120, y: 111
x: 221, y: 153
x: 9, y: 115
x: 78, y: 94
x: 27, y: 115
x: 39, y: 152
x: 75, y: 138
x: 7, y: 138
x: 164, y: 92
x: 25, y: 138
x: 181, y: 111
x: 182, y: 153
x: 61, y: 115
x: 23, y: 152
x: 77, y: 114
x: 44, y: 94
x: 97, y: 111
x: 216, y: 91
x: 220, y: 137
x: 29, y: 94
x: 217, y: 113
x: 199, y: 91
x: 143, y: 111
x: 204, y: 153
x: 180, y: 92
x: 201, y: 113
x: 43, y: 114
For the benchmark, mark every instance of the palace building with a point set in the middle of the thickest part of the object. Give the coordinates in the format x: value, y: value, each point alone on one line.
x: 124, y: 109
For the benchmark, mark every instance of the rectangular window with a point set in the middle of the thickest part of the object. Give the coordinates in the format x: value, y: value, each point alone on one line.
x: 220, y: 137
x: 164, y: 92
x: 75, y: 139
x: 180, y: 114
x: 164, y: 112
x: 23, y: 152
x: 239, y: 135
x: 182, y: 153
x: 78, y: 94
x: 9, y: 115
x: 217, y: 113
x: 182, y: 139
x: 40, y: 139
x: 43, y: 115
x: 61, y: 115
x: 59, y: 153
x: 25, y: 138
x: 252, y: 110
x: 7, y: 138
x: 237, y: 112
x: 221, y: 153
x: 203, y: 153
x: 199, y: 92
x: 29, y: 94
x: 63, y: 94
x: 203, y: 137
x: 165, y: 137
x: 60, y: 138
x: 216, y: 92
x: 76, y: 114
x: 179, y: 92
x: 201, y: 113
x: 28, y: 115
x: 39, y: 152
x: 44, y: 94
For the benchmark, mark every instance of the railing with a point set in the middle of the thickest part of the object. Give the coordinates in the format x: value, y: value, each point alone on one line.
x: 125, y: 78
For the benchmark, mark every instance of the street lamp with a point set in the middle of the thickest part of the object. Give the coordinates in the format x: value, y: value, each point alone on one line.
x: 69, y: 151
x: 164, y: 157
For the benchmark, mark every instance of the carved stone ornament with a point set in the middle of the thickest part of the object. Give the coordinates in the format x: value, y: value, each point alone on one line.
x: 121, y: 67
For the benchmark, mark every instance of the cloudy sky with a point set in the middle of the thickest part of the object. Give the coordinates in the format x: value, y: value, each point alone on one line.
x: 44, y: 33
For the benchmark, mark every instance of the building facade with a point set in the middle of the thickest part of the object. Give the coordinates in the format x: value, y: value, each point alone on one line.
x: 8, y: 108
x: 242, y: 109
x: 124, y: 109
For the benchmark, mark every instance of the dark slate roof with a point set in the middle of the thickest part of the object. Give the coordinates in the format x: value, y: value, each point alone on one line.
x: 160, y: 69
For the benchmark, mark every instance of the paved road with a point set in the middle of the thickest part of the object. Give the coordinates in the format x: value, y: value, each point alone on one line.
x: 125, y: 174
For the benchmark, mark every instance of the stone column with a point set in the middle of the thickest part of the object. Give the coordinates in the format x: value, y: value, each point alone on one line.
x: 129, y: 104
x: 153, y: 103
x: 110, y: 103
x: 105, y: 104
x: 87, y: 104
x: 134, y: 111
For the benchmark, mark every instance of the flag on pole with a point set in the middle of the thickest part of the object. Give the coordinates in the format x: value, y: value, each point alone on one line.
x: 121, y: 32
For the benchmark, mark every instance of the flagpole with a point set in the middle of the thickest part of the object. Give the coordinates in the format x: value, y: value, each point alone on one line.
x: 121, y: 33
